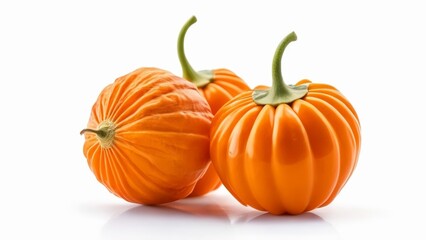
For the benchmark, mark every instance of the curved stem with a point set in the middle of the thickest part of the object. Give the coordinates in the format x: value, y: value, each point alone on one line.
x: 280, y: 92
x: 100, y: 132
x: 105, y: 133
x: 200, y: 79
x: 278, y: 85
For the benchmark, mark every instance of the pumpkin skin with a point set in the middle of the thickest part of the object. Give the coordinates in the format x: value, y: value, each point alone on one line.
x: 217, y: 86
x: 286, y: 158
x: 224, y: 86
x: 156, y: 119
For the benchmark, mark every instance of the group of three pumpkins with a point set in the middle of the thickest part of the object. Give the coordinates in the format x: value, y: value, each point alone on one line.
x: 154, y: 137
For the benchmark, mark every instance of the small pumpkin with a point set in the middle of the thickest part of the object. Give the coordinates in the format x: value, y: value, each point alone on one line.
x: 140, y: 138
x: 287, y: 149
x: 217, y: 86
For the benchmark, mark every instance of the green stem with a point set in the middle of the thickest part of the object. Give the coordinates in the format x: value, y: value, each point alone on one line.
x: 280, y: 92
x: 200, y: 79
x: 100, y: 132
x: 278, y: 86
x: 105, y: 133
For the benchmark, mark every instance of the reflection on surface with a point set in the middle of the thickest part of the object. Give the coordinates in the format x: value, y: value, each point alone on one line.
x: 212, y: 217
x: 307, y: 225
x: 185, y: 219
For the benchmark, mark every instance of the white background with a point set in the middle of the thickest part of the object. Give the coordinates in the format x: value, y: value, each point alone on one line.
x: 56, y: 57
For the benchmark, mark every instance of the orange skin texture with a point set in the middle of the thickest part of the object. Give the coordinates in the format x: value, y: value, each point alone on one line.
x: 287, y: 159
x: 161, y: 143
x: 224, y: 86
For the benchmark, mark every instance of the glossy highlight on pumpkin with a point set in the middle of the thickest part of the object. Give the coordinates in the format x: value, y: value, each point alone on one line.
x: 286, y: 157
x: 147, y: 139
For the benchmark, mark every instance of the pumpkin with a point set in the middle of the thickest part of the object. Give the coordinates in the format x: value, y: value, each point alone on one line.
x: 141, y: 136
x: 286, y: 149
x: 217, y: 86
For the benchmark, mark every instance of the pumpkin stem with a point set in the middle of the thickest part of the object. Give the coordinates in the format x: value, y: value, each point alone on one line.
x: 105, y: 133
x: 201, y: 78
x: 280, y: 92
x: 100, y: 132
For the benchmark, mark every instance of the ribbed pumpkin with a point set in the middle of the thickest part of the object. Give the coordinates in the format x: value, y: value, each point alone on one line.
x: 217, y: 86
x: 288, y: 148
x: 147, y: 139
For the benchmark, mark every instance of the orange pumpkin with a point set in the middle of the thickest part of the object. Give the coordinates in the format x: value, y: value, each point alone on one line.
x: 217, y: 86
x: 141, y: 137
x: 287, y: 149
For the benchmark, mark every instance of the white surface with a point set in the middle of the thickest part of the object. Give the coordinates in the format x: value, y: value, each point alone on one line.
x: 56, y: 56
